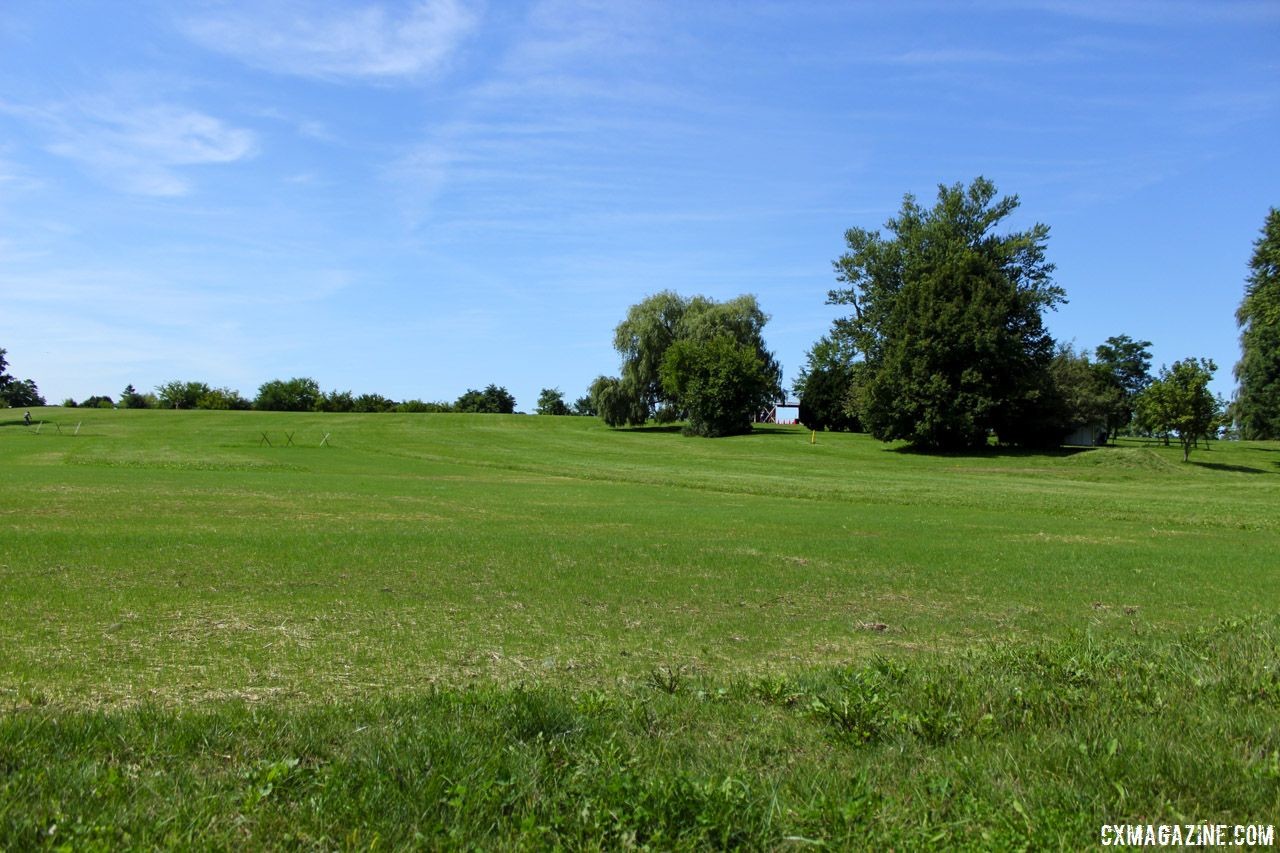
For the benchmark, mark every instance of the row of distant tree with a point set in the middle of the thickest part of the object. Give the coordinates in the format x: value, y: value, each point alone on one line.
x: 303, y: 394
x: 946, y: 342
x: 945, y: 347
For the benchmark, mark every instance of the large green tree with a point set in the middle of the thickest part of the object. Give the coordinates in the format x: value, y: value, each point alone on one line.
x: 720, y: 382
x: 178, y: 394
x: 1126, y: 364
x: 131, y: 399
x: 948, y: 316
x: 18, y: 393
x: 551, y: 402
x: 1179, y: 402
x: 659, y: 377
x: 1257, y: 403
x: 299, y: 394
x: 1084, y: 388
x: 493, y: 400
x: 825, y: 386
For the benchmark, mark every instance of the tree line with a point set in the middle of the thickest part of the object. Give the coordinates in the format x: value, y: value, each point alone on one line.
x: 299, y: 394
x: 945, y: 347
x: 303, y: 394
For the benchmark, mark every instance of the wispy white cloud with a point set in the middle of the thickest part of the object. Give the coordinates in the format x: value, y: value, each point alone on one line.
x: 335, y: 41
x: 569, y: 107
x: 138, y: 149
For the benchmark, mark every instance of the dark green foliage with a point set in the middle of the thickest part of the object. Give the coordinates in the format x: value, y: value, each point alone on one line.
x: 372, y: 403
x: 337, y: 401
x: 551, y: 402
x: 423, y: 408
x: 223, y: 399
x: 584, y: 407
x: 1016, y: 745
x: 1257, y: 403
x: 721, y: 383
x: 645, y: 339
x: 300, y: 394
x: 180, y: 395
x: 18, y: 393
x: 23, y: 393
x: 826, y: 386
x: 617, y: 403
x: 948, y: 317
x: 1126, y: 363
x: 493, y: 400
x: 131, y: 399
x: 1085, y: 389
x: 642, y: 339
x: 1180, y: 402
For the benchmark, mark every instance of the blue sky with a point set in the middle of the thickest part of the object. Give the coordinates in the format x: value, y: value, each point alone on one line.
x: 415, y: 198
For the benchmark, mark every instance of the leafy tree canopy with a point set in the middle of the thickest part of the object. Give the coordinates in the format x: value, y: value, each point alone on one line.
x: 551, y: 402
x: 18, y: 393
x: 493, y: 400
x: 1126, y: 365
x: 131, y: 399
x: 947, y: 314
x: 372, y: 403
x: 826, y: 383
x: 224, y: 399
x: 1257, y: 404
x: 181, y: 395
x: 1179, y: 402
x: 1084, y: 389
x: 721, y: 382
x: 299, y: 394
x: 647, y: 337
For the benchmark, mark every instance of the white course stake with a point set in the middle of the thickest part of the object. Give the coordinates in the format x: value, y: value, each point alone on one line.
x: 77, y: 432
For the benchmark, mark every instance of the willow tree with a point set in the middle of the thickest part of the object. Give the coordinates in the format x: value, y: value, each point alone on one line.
x: 690, y: 357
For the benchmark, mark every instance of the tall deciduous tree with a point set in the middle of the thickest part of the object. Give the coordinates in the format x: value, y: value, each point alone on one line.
x: 1127, y: 366
x: 948, y: 316
x: 1257, y: 403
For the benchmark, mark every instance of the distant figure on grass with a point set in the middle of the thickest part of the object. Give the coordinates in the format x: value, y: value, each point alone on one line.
x: 26, y: 419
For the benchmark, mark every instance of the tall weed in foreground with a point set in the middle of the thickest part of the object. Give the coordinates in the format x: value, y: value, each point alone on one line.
x: 1005, y: 746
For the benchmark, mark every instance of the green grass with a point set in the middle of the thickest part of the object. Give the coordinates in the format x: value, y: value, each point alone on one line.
x: 592, y: 637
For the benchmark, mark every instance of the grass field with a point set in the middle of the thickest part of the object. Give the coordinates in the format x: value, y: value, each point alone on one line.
x: 452, y: 630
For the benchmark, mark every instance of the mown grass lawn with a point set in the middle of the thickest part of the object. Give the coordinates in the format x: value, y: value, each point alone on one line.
x: 447, y: 630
